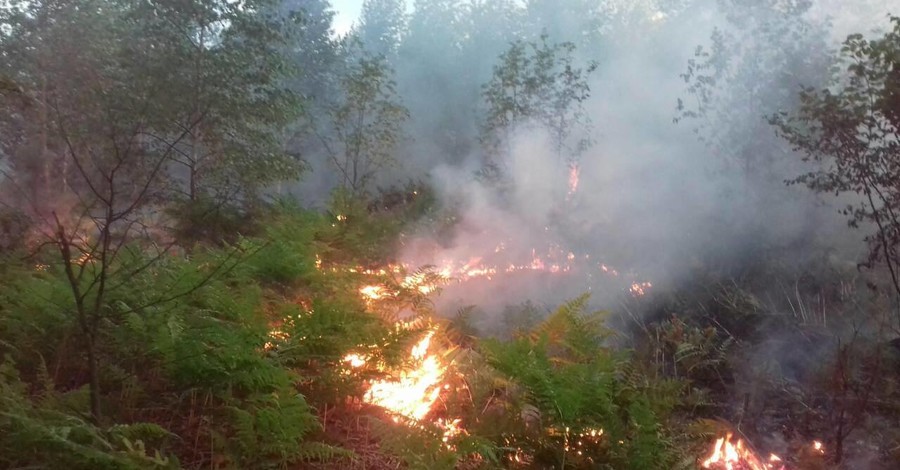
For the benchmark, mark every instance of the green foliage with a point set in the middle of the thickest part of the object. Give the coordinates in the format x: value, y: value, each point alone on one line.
x: 688, y: 352
x: 558, y: 382
x: 287, y: 253
x: 849, y: 131
x: 537, y: 83
x: 207, y: 357
x: 204, y: 220
x: 266, y: 431
x: 419, y: 445
x: 365, y: 124
x: 48, y: 437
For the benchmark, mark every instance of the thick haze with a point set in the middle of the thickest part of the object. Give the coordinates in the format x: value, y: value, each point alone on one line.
x: 652, y: 199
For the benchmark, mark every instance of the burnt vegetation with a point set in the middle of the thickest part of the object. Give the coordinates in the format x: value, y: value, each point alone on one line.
x: 232, y: 237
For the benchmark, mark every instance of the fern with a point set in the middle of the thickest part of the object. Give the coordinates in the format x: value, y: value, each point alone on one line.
x: 44, y: 437
x: 560, y: 378
x: 321, y: 452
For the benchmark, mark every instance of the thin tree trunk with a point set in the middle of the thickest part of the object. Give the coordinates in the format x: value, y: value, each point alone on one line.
x: 94, y: 375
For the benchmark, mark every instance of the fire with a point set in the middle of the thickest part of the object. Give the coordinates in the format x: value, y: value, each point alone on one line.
x: 355, y: 360
x: 639, y: 288
x: 414, y: 392
x: 552, y: 260
x: 730, y: 455
x: 373, y: 292
x: 452, y: 428
x: 574, y: 173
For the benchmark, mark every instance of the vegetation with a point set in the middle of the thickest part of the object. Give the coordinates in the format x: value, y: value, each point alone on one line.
x: 174, y: 295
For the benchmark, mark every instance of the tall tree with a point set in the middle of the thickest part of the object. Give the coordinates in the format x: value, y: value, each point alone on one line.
x: 538, y: 84
x: 311, y: 49
x: 314, y: 54
x: 228, y: 74
x: 433, y: 79
x: 850, y: 130
x: 381, y: 26
x: 752, y: 69
x: 577, y: 21
x: 365, y: 125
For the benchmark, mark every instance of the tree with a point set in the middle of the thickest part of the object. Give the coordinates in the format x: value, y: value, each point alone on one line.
x: 488, y: 26
x: 311, y: 50
x: 751, y: 70
x: 149, y: 87
x: 365, y: 124
x: 538, y: 84
x: 435, y: 81
x: 850, y: 131
x: 577, y: 21
x: 228, y: 75
x: 381, y: 26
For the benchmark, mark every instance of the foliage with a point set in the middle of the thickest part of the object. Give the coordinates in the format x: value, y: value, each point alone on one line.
x: 164, y: 304
x: 538, y: 83
x: 557, y: 386
x: 42, y: 434
x: 208, y: 358
x: 382, y: 24
x: 750, y: 70
x: 850, y: 131
x: 159, y: 87
x: 365, y: 124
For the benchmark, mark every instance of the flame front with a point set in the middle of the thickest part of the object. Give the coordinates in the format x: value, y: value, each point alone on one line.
x: 414, y: 392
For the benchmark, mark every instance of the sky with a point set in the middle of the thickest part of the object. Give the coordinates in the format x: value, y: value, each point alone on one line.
x: 346, y: 13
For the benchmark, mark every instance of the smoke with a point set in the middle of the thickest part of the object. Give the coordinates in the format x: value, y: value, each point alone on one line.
x: 653, y: 202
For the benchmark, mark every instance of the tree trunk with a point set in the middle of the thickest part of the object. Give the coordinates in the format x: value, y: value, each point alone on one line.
x: 94, y: 378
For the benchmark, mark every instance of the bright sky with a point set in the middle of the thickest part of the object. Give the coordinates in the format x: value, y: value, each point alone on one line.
x: 347, y: 11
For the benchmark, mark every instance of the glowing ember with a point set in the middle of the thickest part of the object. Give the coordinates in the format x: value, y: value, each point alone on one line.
x: 554, y: 260
x: 818, y: 447
x: 419, y: 282
x: 414, y: 392
x: 639, y: 288
x: 276, y: 335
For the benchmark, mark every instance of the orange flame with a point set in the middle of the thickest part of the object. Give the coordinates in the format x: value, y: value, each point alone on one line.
x: 414, y: 392
x: 730, y: 455
x: 734, y: 456
x: 373, y: 292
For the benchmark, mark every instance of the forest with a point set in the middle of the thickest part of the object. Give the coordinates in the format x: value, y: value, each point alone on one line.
x: 461, y: 234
